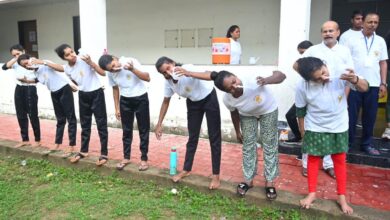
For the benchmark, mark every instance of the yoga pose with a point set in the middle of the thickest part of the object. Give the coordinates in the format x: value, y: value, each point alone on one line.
x: 82, y: 70
x: 251, y: 104
x: 323, y: 121
x: 201, y: 99
x: 131, y: 99
x: 61, y: 88
x: 26, y: 98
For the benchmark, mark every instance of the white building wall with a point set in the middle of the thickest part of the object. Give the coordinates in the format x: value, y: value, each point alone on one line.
x: 320, y: 12
x: 136, y: 28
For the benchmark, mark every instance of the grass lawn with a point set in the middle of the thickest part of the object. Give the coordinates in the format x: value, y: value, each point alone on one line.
x: 42, y: 190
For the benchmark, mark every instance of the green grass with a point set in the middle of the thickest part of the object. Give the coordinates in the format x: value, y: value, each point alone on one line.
x: 42, y: 190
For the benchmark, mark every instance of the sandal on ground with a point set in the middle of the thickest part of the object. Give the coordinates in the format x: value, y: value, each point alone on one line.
x: 304, y: 172
x: 270, y: 193
x: 67, y: 154
x: 330, y: 172
x: 77, y: 157
x: 242, y: 188
x: 102, y: 160
x: 372, y: 151
x: 143, y: 166
x: 122, y: 165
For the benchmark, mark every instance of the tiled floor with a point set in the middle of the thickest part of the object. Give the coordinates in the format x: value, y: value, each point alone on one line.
x: 366, y: 186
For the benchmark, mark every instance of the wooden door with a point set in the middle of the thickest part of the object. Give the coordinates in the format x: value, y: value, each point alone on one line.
x: 28, y: 36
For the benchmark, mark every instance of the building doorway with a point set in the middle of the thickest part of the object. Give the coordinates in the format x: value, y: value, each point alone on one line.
x: 28, y: 36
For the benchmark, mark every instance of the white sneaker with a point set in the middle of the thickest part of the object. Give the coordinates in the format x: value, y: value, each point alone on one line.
x: 386, y: 134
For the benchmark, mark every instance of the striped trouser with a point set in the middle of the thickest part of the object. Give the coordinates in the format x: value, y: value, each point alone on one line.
x: 268, y: 140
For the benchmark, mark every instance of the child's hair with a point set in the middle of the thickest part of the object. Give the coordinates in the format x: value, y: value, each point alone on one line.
x: 105, y: 60
x: 304, y: 44
x: 165, y: 60
x: 60, y: 50
x: 219, y: 77
x: 16, y: 47
x: 308, y: 65
x: 23, y: 57
x: 230, y: 30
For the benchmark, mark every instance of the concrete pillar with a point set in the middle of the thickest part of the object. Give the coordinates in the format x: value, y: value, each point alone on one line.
x: 93, y: 27
x: 294, y: 28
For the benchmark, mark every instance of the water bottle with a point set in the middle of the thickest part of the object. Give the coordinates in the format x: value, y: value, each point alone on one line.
x: 173, y: 162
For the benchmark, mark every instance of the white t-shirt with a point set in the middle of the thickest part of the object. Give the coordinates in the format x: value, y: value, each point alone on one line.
x: 235, y: 52
x: 255, y: 101
x: 84, y: 75
x: 326, y: 105
x: 366, y: 54
x: 348, y: 35
x: 51, y: 78
x: 188, y: 87
x: 129, y: 84
x: 337, y: 58
x: 21, y: 72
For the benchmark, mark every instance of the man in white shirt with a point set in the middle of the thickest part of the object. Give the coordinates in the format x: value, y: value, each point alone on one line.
x: 369, y: 55
x: 357, y: 24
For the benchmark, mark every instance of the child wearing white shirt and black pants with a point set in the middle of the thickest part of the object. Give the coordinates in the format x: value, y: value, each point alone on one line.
x: 201, y: 99
x: 26, y: 98
x: 131, y: 99
x: 91, y: 99
x: 61, y: 95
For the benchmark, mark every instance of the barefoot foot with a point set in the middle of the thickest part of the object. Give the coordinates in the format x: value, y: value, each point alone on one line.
x: 307, y: 202
x: 180, y: 176
x: 215, y: 182
x: 36, y: 144
x: 342, y: 201
x: 23, y: 143
x: 70, y: 149
x: 68, y: 152
x: 57, y: 146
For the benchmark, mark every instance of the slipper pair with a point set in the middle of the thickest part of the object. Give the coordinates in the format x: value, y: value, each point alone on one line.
x: 122, y: 165
x: 144, y: 166
x: 101, y: 161
x: 78, y: 157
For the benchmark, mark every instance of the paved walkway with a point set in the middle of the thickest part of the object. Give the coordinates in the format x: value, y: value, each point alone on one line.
x: 366, y: 186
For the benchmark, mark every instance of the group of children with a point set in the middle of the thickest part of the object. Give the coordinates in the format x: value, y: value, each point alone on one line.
x: 249, y: 100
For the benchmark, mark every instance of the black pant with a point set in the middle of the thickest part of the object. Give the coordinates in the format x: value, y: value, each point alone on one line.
x: 64, y: 110
x: 196, y: 110
x: 138, y: 106
x: 291, y: 117
x: 93, y: 103
x: 26, y: 105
